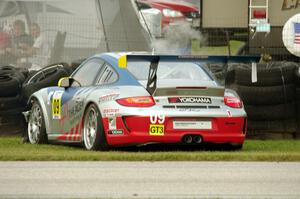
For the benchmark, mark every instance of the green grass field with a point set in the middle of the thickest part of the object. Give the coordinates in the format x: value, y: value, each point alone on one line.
x: 12, y: 149
x: 197, y: 49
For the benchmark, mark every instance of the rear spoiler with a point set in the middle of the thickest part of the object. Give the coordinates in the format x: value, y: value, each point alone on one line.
x: 210, y: 59
x: 154, y: 60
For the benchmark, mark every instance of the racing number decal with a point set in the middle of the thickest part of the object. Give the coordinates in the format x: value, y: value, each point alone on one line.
x: 56, y: 105
x: 157, y: 129
x: 154, y: 118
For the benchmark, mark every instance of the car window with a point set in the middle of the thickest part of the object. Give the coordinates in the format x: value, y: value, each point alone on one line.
x: 169, y: 70
x: 107, y: 75
x: 142, y: 6
x: 87, y: 73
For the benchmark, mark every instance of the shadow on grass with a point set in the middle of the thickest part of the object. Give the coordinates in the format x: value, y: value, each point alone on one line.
x: 174, y: 147
x: 158, y: 147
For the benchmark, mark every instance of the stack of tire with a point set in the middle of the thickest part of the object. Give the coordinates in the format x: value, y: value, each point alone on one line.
x: 11, y: 106
x: 224, y: 75
x: 46, y: 77
x: 270, y: 102
x: 297, y: 84
x: 17, y: 85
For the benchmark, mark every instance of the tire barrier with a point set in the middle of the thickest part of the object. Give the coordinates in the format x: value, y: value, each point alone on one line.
x: 270, y: 74
x: 16, y: 86
x: 271, y: 102
x: 11, y: 106
x: 47, y: 76
x: 224, y: 75
x: 297, y: 93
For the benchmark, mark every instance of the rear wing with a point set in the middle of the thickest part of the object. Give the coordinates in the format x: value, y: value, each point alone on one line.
x: 209, y: 59
x: 155, y: 59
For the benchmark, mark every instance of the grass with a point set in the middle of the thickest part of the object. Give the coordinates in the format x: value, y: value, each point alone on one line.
x: 197, y: 49
x: 11, y: 149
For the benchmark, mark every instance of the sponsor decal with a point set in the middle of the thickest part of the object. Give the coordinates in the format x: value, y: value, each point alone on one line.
x: 112, y: 123
x: 157, y: 129
x: 76, y: 108
x: 56, y: 104
x: 116, y: 132
x: 192, y: 125
x: 110, y: 112
x: 108, y: 97
x: 290, y: 4
x: 291, y: 35
x: 229, y: 113
x: 75, y: 111
x: 189, y: 110
x: 193, y: 100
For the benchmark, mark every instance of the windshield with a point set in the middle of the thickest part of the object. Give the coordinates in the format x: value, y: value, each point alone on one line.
x: 172, y: 70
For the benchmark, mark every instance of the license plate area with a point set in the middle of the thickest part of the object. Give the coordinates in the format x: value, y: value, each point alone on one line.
x: 192, y: 124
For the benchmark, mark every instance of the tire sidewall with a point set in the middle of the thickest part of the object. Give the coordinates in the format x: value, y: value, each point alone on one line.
x: 42, y: 138
x: 100, y: 142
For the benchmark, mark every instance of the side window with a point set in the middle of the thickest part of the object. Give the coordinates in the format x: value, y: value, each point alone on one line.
x: 107, y: 75
x: 142, y: 6
x: 87, y: 74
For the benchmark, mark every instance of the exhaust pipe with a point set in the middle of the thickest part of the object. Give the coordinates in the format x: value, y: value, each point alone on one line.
x: 188, y: 139
x: 197, y: 139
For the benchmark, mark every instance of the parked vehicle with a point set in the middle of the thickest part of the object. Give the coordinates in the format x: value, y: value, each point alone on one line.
x: 112, y: 100
x: 172, y: 11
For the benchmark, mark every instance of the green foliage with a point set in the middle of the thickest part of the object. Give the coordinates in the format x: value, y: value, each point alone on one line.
x: 197, y: 49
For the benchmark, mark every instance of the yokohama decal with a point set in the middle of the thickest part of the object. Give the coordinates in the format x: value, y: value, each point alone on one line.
x: 194, y: 100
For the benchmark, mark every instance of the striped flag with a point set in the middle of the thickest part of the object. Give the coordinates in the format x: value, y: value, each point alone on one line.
x: 297, y: 33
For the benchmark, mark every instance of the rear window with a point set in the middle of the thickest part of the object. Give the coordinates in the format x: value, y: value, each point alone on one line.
x: 169, y: 70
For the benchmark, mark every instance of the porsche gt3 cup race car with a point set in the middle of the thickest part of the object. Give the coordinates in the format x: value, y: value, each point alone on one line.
x: 116, y: 99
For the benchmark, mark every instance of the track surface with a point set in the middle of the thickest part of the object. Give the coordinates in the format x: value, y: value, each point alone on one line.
x: 149, y: 180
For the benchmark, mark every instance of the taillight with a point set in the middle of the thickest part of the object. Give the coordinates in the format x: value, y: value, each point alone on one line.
x: 144, y: 101
x: 233, y: 102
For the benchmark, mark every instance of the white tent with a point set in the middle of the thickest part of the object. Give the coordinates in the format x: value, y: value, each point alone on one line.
x: 79, y: 28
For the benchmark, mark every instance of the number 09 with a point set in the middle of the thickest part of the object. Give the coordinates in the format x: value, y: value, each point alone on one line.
x: 160, y: 118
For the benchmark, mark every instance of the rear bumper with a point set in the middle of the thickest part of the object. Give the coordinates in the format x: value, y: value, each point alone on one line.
x: 134, y: 130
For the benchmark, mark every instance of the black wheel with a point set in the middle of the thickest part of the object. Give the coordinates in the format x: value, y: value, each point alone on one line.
x: 297, y: 76
x: 271, y: 112
x: 36, y: 125
x: 269, y: 95
x: 271, y: 74
x: 9, y: 85
x: 9, y: 103
x: 93, y: 133
x: 46, y: 77
x: 287, y: 126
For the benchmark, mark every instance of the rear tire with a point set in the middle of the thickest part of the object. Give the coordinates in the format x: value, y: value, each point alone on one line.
x: 93, y: 133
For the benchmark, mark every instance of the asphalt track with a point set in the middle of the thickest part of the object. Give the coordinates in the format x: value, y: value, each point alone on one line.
x: 149, y: 180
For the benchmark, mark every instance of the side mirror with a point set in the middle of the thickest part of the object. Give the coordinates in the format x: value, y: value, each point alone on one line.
x: 65, y: 82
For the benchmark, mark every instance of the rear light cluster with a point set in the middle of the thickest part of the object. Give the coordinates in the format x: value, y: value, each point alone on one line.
x: 233, y: 102
x: 143, y: 101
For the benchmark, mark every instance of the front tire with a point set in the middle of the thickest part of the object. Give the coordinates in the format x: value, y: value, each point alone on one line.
x: 93, y: 132
x: 36, y: 125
